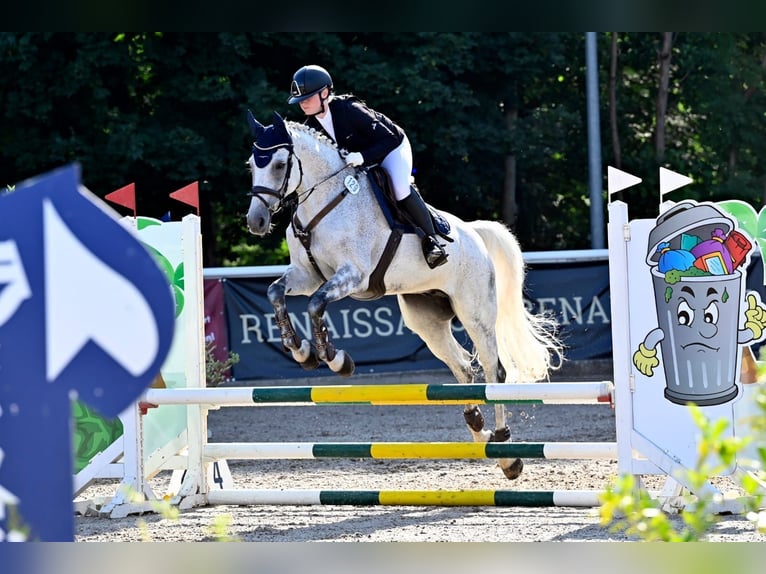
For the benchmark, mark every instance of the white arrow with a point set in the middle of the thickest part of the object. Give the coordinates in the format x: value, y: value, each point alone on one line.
x: 86, y: 300
x: 670, y: 180
x: 617, y: 180
x: 13, y: 276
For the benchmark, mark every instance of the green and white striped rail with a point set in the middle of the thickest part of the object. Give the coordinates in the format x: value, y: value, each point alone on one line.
x: 584, y: 498
x: 399, y: 394
x: 410, y: 450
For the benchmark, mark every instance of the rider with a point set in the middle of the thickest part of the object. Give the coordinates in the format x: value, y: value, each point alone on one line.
x: 371, y: 138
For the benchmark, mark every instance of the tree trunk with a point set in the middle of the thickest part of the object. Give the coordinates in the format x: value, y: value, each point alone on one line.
x: 510, y: 207
x: 662, y: 94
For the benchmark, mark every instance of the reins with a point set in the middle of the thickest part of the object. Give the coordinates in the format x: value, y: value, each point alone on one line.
x: 282, y: 194
x: 303, y: 233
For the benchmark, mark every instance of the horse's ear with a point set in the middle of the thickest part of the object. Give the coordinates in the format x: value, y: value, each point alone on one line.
x: 255, y: 125
x: 279, y: 126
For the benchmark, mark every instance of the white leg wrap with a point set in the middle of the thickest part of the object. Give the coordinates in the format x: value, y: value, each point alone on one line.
x: 303, y: 353
x: 337, y: 363
x: 480, y: 436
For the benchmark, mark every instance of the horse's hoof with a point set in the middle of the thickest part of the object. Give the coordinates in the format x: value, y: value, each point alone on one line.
x: 500, y: 435
x: 513, y: 471
x: 475, y: 420
x: 304, y: 354
x: 311, y: 363
x: 342, y: 364
x: 348, y: 367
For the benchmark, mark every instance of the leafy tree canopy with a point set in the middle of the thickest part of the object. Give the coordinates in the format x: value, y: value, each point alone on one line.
x: 497, y: 120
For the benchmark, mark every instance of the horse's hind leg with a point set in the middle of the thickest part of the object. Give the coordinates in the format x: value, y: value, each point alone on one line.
x: 511, y: 467
x: 431, y: 318
x: 479, y: 323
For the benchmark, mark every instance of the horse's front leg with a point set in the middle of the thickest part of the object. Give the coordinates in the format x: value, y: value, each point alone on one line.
x: 340, y: 285
x: 300, y: 349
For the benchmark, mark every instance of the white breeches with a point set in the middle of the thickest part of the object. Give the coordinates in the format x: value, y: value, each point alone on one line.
x: 398, y: 165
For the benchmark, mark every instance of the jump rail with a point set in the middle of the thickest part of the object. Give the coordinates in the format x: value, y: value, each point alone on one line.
x: 410, y: 450
x: 401, y: 394
x: 195, y: 489
x: 584, y: 498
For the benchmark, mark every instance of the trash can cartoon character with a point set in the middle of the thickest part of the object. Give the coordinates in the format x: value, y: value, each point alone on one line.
x: 697, y: 260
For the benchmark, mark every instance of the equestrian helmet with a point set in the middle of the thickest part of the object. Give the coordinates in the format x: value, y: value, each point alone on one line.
x: 308, y: 81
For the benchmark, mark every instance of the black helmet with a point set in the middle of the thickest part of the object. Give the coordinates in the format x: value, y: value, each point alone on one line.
x: 308, y: 81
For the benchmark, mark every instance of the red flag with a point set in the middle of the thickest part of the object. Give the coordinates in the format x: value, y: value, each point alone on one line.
x: 188, y: 194
x: 125, y: 196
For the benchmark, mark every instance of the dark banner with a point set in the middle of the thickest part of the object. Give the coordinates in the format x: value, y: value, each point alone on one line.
x: 215, y: 319
x: 576, y: 295
x: 371, y: 332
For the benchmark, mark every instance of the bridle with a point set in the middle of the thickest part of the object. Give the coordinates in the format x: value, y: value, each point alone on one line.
x: 302, y: 232
x: 282, y: 194
x: 258, y: 191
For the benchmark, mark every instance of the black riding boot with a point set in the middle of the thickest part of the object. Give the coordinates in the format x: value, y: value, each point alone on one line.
x: 416, y: 208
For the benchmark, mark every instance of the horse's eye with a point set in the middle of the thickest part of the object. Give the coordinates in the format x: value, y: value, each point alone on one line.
x: 280, y: 165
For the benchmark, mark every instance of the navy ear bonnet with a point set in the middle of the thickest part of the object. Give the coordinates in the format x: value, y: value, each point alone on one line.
x: 268, y: 139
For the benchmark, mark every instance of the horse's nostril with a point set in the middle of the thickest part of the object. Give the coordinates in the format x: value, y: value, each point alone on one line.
x: 256, y: 224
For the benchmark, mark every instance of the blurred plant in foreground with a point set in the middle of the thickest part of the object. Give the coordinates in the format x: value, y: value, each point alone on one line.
x: 629, y: 508
x: 216, y: 372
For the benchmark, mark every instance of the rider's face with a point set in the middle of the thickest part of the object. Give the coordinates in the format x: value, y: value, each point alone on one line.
x: 313, y: 105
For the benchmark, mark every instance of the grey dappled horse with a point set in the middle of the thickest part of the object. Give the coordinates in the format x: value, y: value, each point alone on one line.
x: 337, y: 237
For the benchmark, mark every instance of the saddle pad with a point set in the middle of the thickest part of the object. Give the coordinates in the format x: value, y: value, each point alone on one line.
x: 440, y: 223
x: 379, y: 183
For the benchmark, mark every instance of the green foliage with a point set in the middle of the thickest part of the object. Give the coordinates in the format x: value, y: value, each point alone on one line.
x: 751, y: 222
x: 164, y: 507
x: 627, y: 507
x: 219, y: 529
x: 497, y: 120
x: 216, y: 371
x: 18, y: 530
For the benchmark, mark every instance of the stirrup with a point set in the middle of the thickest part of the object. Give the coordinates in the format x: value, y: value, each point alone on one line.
x: 434, y: 252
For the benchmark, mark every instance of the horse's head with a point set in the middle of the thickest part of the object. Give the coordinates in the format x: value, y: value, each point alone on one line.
x: 271, y: 164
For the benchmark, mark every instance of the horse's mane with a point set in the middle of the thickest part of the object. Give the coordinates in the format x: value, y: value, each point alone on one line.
x: 321, y: 137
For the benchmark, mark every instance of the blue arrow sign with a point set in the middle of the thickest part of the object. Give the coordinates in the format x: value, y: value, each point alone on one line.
x: 86, y: 313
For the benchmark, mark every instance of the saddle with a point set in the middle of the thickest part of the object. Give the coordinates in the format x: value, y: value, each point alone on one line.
x: 397, y: 218
x: 400, y: 223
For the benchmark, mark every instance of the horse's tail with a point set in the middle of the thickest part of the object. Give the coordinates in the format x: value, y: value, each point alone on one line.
x: 528, y: 346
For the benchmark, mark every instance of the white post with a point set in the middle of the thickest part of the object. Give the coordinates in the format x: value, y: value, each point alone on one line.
x: 619, y: 234
x: 195, y: 481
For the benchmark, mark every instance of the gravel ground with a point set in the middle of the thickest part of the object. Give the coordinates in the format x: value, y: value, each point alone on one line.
x: 360, y: 423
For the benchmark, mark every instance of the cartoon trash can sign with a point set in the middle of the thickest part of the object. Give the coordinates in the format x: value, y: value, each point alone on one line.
x: 695, y: 256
